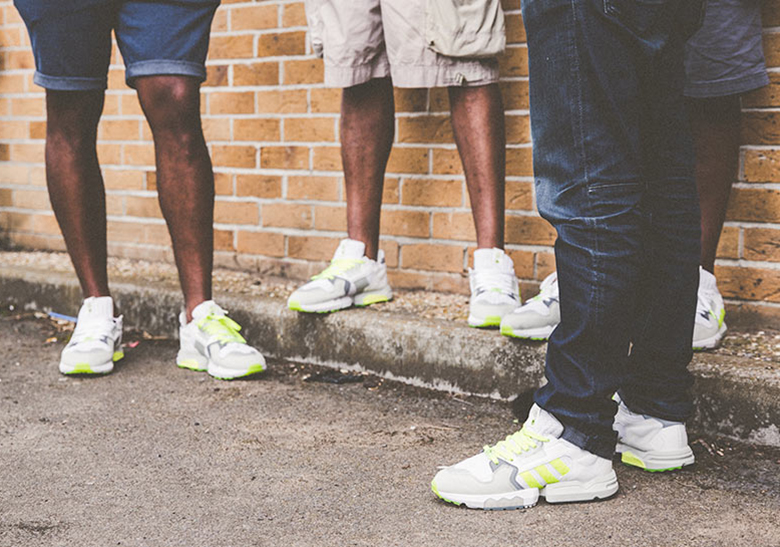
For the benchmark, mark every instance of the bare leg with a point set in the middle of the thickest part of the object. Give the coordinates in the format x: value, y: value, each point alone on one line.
x: 367, y: 115
x: 185, y: 180
x: 716, y: 131
x: 478, y: 124
x: 75, y: 184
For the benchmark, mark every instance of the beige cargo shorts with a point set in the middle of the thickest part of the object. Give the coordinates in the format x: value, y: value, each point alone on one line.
x: 364, y: 39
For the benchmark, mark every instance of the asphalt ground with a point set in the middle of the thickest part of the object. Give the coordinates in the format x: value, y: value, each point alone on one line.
x: 153, y: 455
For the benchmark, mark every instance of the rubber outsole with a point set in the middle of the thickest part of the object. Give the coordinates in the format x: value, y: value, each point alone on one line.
x: 96, y: 370
x: 712, y: 342
x: 538, y: 334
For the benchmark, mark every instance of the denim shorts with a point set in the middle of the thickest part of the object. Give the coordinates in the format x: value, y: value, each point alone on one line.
x: 725, y: 57
x: 71, y: 39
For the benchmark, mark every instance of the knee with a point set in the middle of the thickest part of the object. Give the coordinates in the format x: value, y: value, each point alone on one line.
x: 171, y: 105
x: 72, y: 119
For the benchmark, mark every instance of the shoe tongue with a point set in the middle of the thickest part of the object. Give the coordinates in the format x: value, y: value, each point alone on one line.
x: 205, y: 308
x: 350, y: 248
x: 96, y: 308
x: 542, y: 422
x: 493, y: 259
x: 707, y: 281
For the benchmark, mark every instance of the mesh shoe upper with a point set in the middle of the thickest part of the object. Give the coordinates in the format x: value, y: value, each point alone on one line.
x: 97, y: 334
x: 494, y: 287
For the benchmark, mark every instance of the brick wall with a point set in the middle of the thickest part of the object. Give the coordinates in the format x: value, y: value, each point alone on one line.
x: 272, y: 130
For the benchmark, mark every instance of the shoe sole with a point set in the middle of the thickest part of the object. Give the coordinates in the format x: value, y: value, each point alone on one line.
x: 484, y: 322
x: 361, y: 300
x: 656, y: 462
x: 86, y: 368
x: 599, y: 488
x: 201, y: 363
x: 712, y: 342
x: 539, y: 334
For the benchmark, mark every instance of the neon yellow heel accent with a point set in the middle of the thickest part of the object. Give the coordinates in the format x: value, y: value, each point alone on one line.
x: 506, y: 330
x: 294, y: 305
x: 254, y: 369
x: 374, y: 299
x: 81, y: 368
x: 191, y: 364
x: 436, y: 491
x: 629, y: 458
x: 490, y: 321
x: 118, y: 355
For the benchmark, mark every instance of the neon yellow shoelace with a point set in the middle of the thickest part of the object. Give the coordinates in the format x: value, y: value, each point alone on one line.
x: 337, y: 266
x: 222, y: 328
x: 514, y: 444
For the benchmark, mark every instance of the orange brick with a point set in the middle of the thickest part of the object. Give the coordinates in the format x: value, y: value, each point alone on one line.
x: 771, y: 42
x: 762, y: 165
x: 242, y: 102
x: 748, y: 283
x: 282, y: 102
x: 328, y: 218
x: 524, y: 263
x: 111, y: 154
x: 514, y: 62
x: 754, y: 205
x: 234, y: 156
x: 115, y: 205
x: 294, y: 15
x: 220, y: 22
x: 137, y: 154
x: 406, y: 223
x: 12, y: 83
x: 515, y: 30
x: 518, y: 129
x: 447, y: 162
x: 440, y: 100
x: 437, y: 281
x: 519, y: 195
x: 5, y: 197
x: 430, y: 129
x: 325, y: 100
x: 5, y: 152
x: 27, y: 107
x: 327, y: 158
x: 124, y: 180
x: 284, y: 157
x: 762, y: 244
x: 391, y: 252
x: 223, y: 184
x: 231, y: 47
x: 216, y: 76
x: 390, y: 192
x: 216, y: 129
x: 119, y: 130
x: 14, y: 129
x: 313, y: 187
x: 14, y: 174
x: 151, y: 180
x: 284, y: 43
x: 312, y: 247
x: 129, y: 105
x: 545, y: 265
x: 46, y: 224
x: 760, y: 127
x: 259, y: 186
x: 309, y: 129
x: 432, y: 192
x: 515, y: 95
x: 766, y: 96
x: 728, y: 246
x: 223, y: 240
x: 307, y: 71
x: 458, y: 226
x: 519, y: 162
x: 256, y: 74
x: 260, y: 243
x: 256, y: 129
x: 136, y: 206
x: 28, y: 199
x: 287, y: 215
x: 156, y: 234
x: 27, y: 153
x: 408, y: 160
x: 125, y: 232
x: 256, y: 17
x: 235, y: 212
x: 37, y: 130
x: 410, y: 100
x: 529, y: 230
x: 770, y: 14
x: 426, y: 256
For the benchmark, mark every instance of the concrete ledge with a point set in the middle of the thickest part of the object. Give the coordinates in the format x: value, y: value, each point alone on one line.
x: 734, y: 398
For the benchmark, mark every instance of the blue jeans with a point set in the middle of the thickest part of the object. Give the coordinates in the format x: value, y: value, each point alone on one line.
x: 613, y: 162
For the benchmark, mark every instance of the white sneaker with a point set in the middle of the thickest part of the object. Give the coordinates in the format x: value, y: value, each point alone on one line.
x: 710, y: 327
x: 351, y: 279
x: 96, y: 342
x: 211, y: 342
x: 533, y: 462
x: 538, y: 317
x: 494, y: 288
x: 651, y: 443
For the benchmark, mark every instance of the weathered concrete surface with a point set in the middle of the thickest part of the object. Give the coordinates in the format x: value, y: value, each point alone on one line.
x: 734, y: 398
x: 156, y: 456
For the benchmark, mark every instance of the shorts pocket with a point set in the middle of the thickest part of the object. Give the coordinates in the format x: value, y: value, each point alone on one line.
x: 465, y: 28
x: 313, y: 10
x: 638, y: 16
